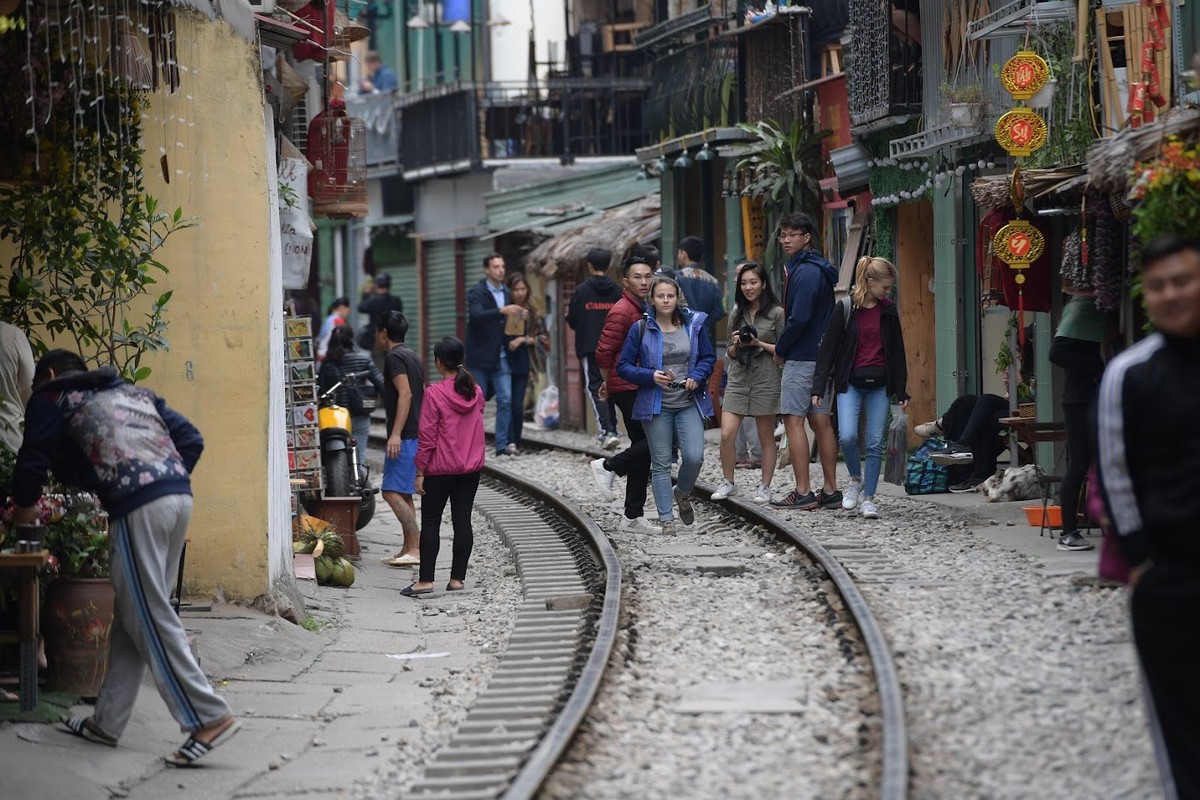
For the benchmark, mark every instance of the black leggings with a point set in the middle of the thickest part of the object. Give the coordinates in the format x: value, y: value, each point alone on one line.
x: 1079, y: 457
x: 460, y: 491
x: 633, y: 463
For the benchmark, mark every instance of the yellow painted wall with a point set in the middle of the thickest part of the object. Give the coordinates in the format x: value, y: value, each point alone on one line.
x: 217, y: 370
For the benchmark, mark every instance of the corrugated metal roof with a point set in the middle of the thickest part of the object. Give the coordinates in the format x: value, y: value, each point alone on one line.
x: 559, y: 205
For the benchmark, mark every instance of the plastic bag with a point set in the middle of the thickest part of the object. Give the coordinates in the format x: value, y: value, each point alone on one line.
x: 897, y: 448
x: 545, y: 411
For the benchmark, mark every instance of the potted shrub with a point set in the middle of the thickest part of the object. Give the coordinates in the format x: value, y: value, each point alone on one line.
x: 77, y: 613
x: 966, y: 104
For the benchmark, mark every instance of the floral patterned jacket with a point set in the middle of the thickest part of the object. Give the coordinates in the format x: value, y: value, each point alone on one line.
x: 100, y: 434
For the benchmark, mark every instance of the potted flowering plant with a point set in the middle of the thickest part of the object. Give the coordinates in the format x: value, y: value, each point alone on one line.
x: 1165, y: 191
x: 77, y: 613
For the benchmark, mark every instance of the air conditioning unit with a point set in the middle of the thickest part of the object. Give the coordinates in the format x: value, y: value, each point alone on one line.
x: 262, y: 6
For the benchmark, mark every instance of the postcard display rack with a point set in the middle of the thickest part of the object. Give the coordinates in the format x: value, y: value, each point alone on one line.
x: 303, y: 442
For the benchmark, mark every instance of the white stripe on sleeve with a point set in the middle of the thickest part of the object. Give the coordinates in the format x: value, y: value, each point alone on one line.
x: 1113, y: 457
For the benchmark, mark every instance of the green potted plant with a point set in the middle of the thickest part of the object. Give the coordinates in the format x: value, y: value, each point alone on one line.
x: 966, y: 103
x: 77, y: 613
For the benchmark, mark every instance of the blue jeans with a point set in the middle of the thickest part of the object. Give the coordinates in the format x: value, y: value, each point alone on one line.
x: 685, y: 427
x: 851, y: 404
x: 498, y: 382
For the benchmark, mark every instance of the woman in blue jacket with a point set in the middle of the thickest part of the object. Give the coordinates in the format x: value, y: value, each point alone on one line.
x: 670, y: 358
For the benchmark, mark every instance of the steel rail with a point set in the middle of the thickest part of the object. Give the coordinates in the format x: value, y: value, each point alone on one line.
x: 895, y: 767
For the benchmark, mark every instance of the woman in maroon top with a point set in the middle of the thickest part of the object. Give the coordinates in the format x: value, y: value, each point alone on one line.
x: 863, y: 352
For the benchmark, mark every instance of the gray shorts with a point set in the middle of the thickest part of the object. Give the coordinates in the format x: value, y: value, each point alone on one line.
x: 796, y: 390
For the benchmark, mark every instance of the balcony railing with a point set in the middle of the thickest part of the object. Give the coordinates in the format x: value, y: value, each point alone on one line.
x: 694, y: 89
x: 562, y: 117
x: 883, y: 65
x: 565, y: 117
x: 438, y: 127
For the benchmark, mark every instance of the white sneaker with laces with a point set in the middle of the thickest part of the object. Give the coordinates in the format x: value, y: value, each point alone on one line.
x: 604, y: 480
x: 851, y: 496
x: 928, y: 429
x: 611, y: 441
x: 762, y: 494
x: 639, y: 525
x: 724, y: 489
x: 868, y: 510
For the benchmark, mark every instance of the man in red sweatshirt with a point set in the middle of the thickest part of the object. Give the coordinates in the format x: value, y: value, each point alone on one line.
x: 634, y: 461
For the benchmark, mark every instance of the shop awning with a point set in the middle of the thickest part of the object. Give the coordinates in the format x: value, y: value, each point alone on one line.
x: 995, y: 190
x: 616, y: 230
x: 549, y: 208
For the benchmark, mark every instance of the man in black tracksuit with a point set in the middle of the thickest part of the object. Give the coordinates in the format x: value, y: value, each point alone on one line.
x: 585, y: 314
x: 1149, y: 461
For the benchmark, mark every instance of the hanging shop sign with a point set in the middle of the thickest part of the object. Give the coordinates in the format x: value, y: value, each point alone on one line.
x: 1024, y: 74
x: 1018, y: 244
x: 1021, y: 131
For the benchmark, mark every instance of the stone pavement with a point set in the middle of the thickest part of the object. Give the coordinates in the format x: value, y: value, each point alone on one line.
x: 322, y: 710
x: 319, y: 710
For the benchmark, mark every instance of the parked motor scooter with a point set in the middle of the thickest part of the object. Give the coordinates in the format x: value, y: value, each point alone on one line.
x: 344, y: 476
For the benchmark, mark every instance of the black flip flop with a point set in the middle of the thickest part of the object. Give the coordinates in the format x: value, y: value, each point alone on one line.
x: 409, y: 591
x: 450, y: 588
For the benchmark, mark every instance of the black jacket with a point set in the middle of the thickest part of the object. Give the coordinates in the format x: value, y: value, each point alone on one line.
x: 839, y: 345
x: 1149, y: 449
x: 587, y: 310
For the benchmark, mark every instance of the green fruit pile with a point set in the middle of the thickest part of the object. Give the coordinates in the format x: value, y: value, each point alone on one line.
x: 334, y: 571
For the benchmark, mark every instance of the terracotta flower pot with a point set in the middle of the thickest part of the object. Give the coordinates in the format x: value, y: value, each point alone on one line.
x: 76, y: 622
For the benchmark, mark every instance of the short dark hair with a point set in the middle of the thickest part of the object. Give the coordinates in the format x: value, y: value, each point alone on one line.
x: 1167, y: 245
x: 633, y: 261
x: 488, y: 259
x: 799, y: 221
x: 394, y: 325
x: 337, y: 301
x: 693, y: 247
x: 598, y: 259
x: 61, y: 361
x: 383, y: 281
x: 648, y: 253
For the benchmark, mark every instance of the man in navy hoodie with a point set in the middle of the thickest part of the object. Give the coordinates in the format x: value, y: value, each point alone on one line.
x: 121, y: 442
x: 807, y: 304
x: 585, y: 314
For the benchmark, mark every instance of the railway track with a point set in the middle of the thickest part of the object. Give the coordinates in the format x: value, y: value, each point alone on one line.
x: 520, y: 729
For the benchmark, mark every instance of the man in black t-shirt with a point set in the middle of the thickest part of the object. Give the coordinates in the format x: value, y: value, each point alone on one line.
x: 403, y: 389
x: 377, y: 301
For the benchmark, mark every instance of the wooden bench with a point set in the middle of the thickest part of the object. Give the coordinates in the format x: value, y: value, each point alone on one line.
x: 26, y: 565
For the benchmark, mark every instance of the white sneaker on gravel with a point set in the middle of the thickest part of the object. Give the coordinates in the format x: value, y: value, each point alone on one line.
x: 610, y: 441
x: 668, y: 527
x: 868, y: 510
x: 639, y: 525
x: 762, y: 494
x: 724, y: 489
x: 604, y: 480
x: 851, y: 496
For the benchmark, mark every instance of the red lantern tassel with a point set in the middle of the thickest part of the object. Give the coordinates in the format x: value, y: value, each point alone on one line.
x: 1021, y: 318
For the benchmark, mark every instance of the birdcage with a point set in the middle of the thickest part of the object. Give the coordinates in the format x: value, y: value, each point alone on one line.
x: 337, y: 150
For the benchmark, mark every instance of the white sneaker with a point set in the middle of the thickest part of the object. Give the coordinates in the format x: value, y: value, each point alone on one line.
x: 762, y: 494
x: 868, y: 510
x: 610, y: 441
x: 928, y: 429
x: 851, y: 496
x: 668, y: 527
x: 724, y: 489
x: 639, y: 525
x: 604, y: 480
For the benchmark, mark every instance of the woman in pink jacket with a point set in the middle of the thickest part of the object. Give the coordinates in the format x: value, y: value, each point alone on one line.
x: 450, y: 453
